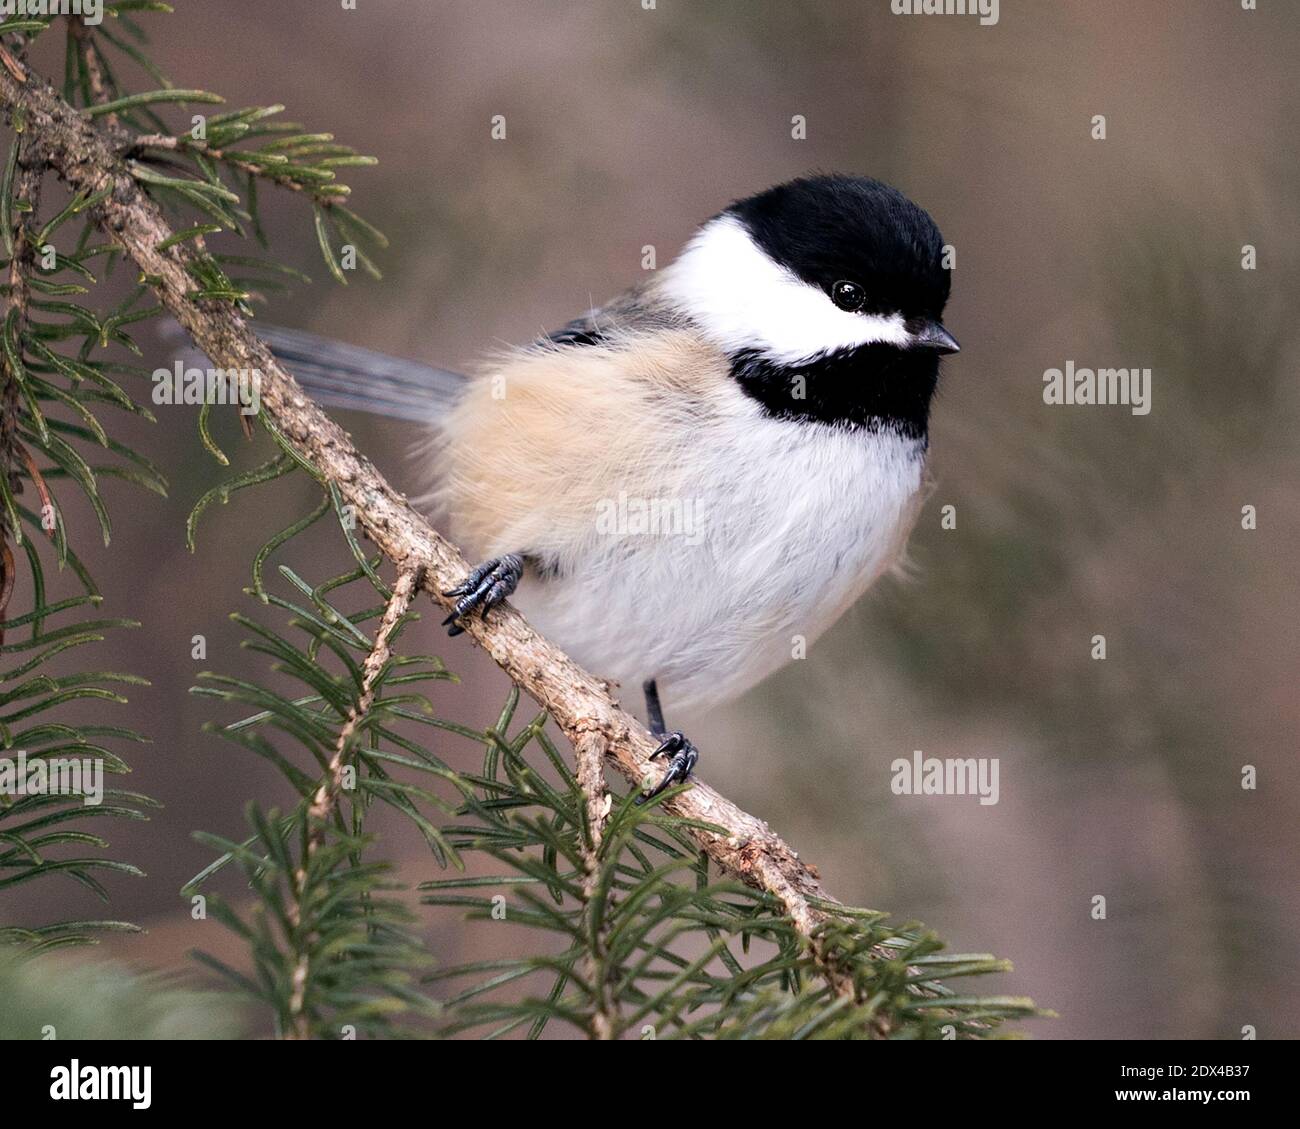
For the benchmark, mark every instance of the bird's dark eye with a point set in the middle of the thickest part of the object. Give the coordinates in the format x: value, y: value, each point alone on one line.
x: 848, y: 296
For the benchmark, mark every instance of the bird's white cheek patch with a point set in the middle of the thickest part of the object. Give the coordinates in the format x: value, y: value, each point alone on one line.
x: 743, y: 300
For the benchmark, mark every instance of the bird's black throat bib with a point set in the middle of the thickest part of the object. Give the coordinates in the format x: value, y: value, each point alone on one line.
x: 876, y: 387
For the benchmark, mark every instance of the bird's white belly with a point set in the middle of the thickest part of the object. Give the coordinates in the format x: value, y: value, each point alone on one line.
x: 773, y: 529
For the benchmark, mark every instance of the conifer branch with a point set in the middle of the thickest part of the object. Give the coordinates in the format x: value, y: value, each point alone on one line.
x: 326, y: 798
x: 37, y: 823
x: 86, y: 158
x: 325, y: 194
x: 26, y: 186
x: 325, y: 801
x: 589, y: 755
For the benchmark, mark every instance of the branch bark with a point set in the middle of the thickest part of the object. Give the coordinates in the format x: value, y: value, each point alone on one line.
x: 581, y: 705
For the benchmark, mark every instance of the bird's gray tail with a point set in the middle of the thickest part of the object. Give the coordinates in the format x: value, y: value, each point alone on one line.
x: 347, y: 376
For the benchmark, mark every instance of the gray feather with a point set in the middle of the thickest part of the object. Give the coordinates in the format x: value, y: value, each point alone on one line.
x: 348, y: 376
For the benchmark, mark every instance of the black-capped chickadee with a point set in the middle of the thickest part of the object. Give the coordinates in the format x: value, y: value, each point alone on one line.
x: 685, y: 485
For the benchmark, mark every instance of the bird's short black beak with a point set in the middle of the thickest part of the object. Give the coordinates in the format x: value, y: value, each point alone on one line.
x: 934, y: 336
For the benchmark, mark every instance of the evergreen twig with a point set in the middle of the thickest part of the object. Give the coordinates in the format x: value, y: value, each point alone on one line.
x: 323, y: 803
x: 35, y: 824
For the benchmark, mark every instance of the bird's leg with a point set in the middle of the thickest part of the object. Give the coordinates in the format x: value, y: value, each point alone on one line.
x: 683, y: 754
x: 485, y: 587
x: 654, y: 711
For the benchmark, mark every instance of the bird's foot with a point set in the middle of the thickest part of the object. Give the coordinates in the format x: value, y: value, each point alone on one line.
x: 485, y: 587
x: 684, y: 757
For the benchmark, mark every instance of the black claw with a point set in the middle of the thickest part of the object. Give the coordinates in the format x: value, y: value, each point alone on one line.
x: 672, y: 743
x: 484, y: 588
x: 684, y: 758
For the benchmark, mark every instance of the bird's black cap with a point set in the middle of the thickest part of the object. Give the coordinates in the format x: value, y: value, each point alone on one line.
x: 830, y: 228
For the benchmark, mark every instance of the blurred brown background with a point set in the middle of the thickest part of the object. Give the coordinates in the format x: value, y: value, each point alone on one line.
x: 627, y: 127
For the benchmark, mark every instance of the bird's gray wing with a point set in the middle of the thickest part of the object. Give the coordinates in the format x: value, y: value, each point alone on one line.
x: 635, y: 310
